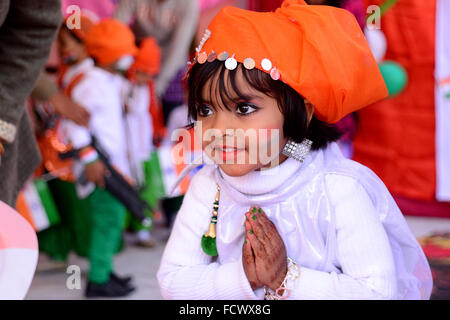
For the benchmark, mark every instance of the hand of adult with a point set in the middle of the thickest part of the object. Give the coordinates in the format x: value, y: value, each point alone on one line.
x: 70, y: 109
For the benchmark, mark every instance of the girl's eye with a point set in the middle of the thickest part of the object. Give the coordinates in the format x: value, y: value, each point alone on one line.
x: 245, y: 108
x: 203, y: 110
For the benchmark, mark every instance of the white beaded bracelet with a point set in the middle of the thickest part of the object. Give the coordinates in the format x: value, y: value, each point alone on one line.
x: 292, y: 274
x: 7, y: 131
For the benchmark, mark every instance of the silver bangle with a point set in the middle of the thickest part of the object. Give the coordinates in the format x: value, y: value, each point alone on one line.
x: 292, y: 274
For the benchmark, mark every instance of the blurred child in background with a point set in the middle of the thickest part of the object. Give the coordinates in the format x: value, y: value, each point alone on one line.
x: 110, y: 44
x: 137, y: 95
x: 71, y: 234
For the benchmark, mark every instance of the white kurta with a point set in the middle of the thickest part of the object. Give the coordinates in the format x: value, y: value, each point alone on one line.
x: 99, y: 93
x: 337, y: 220
x: 138, y: 127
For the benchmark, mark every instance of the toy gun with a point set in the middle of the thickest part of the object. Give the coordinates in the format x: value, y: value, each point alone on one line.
x: 120, y: 188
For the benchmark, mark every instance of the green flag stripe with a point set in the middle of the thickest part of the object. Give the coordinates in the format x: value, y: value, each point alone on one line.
x: 47, y: 201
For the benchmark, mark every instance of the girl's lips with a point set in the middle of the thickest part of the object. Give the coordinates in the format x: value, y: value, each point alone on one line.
x: 227, y: 149
x: 228, y: 152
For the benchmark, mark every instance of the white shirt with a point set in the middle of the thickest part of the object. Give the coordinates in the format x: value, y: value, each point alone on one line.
x: 139, y: 127
x: 337, y: 220
x: 99, y: 93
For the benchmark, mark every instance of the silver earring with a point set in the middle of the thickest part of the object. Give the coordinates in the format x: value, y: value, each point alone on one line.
x: 297, y: 151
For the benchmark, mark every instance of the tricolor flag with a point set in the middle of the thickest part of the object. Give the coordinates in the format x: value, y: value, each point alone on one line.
x: 18, y: 254
x: 166, y: 165
x: 35, y: 203
x: 163, y: 171
x: 171, y: 167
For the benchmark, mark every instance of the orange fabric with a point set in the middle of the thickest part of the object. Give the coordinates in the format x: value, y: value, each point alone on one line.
x: 109, y: 40
x: 179, y: 167
x: 155, y: 108
x: 50, y: 146
x: 73, y: 83
x: 148, y: 58
x: 86, y: 24
x: 396, y: 137
x: 191, y: 145
x: 63, y: 68
x: 320, y: 51
x: 24, y: 210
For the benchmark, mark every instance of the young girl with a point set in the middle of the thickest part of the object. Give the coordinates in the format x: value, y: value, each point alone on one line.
x: 304, y: 222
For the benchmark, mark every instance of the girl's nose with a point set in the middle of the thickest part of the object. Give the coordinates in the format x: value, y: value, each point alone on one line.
x: 224, y: 122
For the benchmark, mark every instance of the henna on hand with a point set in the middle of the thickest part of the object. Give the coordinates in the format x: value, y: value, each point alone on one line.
x: 248, y: 260
x: 268, y: 247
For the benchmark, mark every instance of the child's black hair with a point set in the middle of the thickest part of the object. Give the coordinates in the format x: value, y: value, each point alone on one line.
x: 72, y: 34
x: 291, y: 103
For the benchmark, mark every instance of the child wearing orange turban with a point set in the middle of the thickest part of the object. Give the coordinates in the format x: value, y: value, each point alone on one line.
x: 140, y: 101
x: 148, y: 60
x: 278, y: 212
x: 110, y: 41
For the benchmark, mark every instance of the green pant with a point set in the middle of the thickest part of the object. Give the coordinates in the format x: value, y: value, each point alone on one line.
x: 107, y: 219
x: 150, y: 193
x: 73, y: 231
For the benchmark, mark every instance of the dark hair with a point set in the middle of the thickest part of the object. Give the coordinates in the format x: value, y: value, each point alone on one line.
x: 72, y: 34
x: 334, y: 3
x: 290, y: 103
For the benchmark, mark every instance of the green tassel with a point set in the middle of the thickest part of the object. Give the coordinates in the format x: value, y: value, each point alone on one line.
x: 209, y: 246
x: 209, y: 238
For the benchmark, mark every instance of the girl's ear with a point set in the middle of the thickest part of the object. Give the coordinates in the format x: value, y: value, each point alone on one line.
x: 309, y: 110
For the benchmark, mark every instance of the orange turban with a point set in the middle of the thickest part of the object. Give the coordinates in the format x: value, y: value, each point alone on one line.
x: 149, y: 57
x: 319, y: 51
x: 109, y: 40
